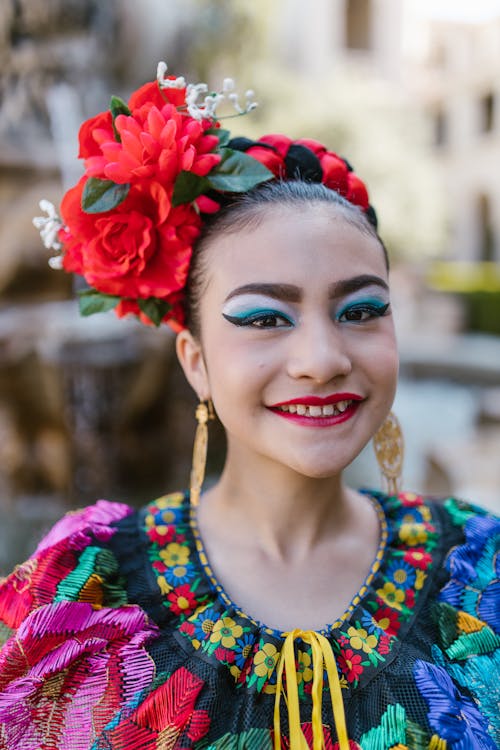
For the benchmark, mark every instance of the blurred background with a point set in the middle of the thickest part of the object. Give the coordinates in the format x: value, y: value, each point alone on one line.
x: 408, y: 90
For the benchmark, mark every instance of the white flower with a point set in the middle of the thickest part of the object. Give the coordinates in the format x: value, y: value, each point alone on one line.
x: 49, y: 225
x: 168, y: 83
x: 206, y: 108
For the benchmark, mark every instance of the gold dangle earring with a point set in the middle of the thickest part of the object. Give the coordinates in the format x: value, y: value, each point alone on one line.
x: 388, y: 444
x: 204, y: 412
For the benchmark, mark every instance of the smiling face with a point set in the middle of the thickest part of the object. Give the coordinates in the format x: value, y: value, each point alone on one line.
x: 297, y: 348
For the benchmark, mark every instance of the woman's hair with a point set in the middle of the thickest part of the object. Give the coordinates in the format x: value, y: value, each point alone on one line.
x: 247, y: 211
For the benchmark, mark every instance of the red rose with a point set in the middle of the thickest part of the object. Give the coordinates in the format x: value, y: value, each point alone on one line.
x: 140, y: 249
x: 90, y: 129
x: 269, y: 158
x: 151, y: 94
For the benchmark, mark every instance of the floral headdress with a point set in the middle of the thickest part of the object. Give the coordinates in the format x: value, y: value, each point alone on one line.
x: 154, y: 168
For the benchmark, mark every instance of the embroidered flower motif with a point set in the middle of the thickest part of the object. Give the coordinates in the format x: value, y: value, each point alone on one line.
x: 226, y: 631
x: 243, y: 648
x: 391, y: 595
x: 401, y: 573
x: 387, y: 620
x: 304, y: 671
x: 265, y: 660
x: 161, y: 534
x: 179, y: 574
x: 204, y: 622
x: 452, y: 715
x: 182, y: 600
x: 350, y: 664
x: 413, y: 534
x: 360, y: 640
x: 418, y: 557
x: 175, y: 554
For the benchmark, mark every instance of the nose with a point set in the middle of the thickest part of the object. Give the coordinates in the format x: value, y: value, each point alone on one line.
x: 318, y: 352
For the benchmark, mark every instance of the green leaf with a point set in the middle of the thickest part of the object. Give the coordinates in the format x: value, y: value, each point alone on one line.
x: 91, y: 301
x: 238, y: 173
x: 102, y: 195
x: 154, y: 308
x: 118, y: 107
x: 188, y: 186
x: 224, y: 136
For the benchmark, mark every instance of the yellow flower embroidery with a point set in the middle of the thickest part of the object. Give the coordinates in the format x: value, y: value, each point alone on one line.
x: 265, y: 660
x: 235, y: 671
x: 304, y: 671
x: 413, y: 533
x: 175, y: 554
x: 391, y: 595
x: 162, y: 583
x: 225, y: 632
x: 360, y: 640
x: 169, y: 501
x: 420, y: 577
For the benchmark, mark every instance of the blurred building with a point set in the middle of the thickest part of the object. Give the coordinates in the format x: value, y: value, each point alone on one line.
x: 448, y: 58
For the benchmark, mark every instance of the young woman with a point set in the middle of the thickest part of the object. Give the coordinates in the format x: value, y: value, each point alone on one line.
x: 281, y: 608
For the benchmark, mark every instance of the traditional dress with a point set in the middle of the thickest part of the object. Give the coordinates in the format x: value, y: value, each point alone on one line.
x: 119, y: 636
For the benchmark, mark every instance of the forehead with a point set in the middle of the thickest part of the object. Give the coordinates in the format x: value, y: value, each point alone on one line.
x: 302, y: 245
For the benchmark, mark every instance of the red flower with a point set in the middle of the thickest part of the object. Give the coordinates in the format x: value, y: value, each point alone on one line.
x: 387, y: 620
x: 410, y: 598
x: 100, y: 126
x: 140, y: 249
x: 225, y: 654
x: 188, y: 628
x: 182, y: 599
x: 418, y: 557
x: 384, y: 644
x: 350, y: 664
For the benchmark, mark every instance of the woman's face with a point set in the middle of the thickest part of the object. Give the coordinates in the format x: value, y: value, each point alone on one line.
x: 298, y: 350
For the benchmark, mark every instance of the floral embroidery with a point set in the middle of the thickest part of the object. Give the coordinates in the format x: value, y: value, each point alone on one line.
x: 362, y: 639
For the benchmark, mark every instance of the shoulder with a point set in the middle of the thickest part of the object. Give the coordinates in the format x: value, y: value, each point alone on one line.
x: 72, y: 562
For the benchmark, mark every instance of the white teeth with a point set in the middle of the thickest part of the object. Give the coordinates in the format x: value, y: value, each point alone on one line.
x: 328, y: 410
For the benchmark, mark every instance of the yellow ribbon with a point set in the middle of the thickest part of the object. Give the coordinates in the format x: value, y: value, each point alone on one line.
x: 322, y: 659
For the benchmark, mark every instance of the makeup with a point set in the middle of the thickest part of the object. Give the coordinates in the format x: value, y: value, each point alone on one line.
x: 317, y: 411
x: 362, y: 310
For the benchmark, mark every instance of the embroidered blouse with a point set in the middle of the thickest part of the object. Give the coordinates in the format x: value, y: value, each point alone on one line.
x: 117, y: 635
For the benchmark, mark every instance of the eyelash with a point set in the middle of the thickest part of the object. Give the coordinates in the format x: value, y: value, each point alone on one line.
x: 368, y: 311
x: 254, y: 319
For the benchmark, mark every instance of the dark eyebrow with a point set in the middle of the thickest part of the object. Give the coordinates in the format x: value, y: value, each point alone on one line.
x: 291, y: 293
x: 286, y: 292
x: 347, y: 286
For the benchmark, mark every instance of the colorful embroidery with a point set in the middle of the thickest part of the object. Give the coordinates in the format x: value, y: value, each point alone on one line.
x: 362, y: 638
x: 454, y: 716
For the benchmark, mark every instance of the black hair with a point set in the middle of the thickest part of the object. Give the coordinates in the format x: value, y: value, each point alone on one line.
x: 246, y: 211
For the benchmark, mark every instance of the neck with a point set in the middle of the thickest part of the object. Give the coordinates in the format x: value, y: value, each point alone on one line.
x: 287, y: 512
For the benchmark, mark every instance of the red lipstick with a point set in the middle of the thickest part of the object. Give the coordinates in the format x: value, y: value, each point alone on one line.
x: 334, y: 398
x: 349, y: 404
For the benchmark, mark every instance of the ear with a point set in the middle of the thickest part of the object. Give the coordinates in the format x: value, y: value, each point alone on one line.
x: 190, y: 356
